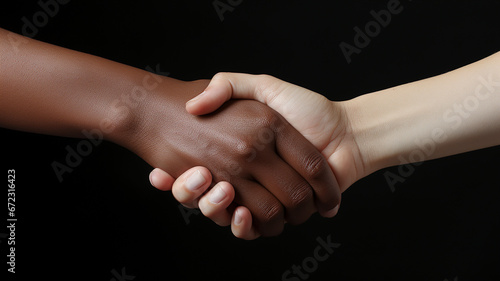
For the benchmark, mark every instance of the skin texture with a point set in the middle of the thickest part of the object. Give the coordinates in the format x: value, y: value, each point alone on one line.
x: 444, y: 115
x: 245, y: 143
x: 322, y: 122
x: 276, y: 173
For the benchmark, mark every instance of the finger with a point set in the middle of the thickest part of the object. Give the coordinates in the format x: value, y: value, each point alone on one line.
x: 241, y: 224
x: 215, y: 202
x: 161, y: 179
x: 288, y: 187
x: 267, y: 212
x: 190, y: 186
x: 225, y: 86
x: 332, y: 213
x: 301, y: 155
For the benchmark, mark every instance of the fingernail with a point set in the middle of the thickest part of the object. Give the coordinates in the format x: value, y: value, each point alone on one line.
x: 152, y: 179
x: 195, y: 181
x: 196, y: 98
x: 237, y: 217
x: 217, y: 196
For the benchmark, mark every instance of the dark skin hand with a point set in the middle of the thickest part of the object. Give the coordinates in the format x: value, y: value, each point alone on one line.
x: 270, y: 164
x: 276, y: 172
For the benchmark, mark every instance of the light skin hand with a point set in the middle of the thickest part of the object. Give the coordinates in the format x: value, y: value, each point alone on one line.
x: 444, y: 115
x: 226, y: 143
x: 214, y: 205
x: 321, y: 121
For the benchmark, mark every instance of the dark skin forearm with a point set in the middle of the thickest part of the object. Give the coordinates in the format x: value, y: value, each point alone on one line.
x: 51, y: 90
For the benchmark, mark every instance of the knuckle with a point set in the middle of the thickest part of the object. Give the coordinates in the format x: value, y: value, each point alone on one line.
x: 272, y: 212
x: 266, y: 117
x: 301, y: 204
x: 265, y: 79
x: 265, y: 136
x: 314, y: 165
x: 220, y: 75
x: 267, y: 87
x: 221, y: 175
x: 301, y: 194
x: 245, y: 150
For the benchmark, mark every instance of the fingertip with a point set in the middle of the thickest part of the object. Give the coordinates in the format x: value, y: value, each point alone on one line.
x: 191, y: 184
x: 161, y: 179
x: 218, y: 91
x: 217, y: 199
x: 206, y: 104
x: 239, y: 217
x: 228, y: 189
x: 241, y: 224
x: 215, y: 203
x: 195, y: 105
x: 329, y: 205
x: 331, y: 213
x: 204, y: 171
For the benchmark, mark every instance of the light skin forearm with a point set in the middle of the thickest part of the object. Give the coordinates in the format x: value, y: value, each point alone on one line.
x: 440, y: 116
x: 444, y: 115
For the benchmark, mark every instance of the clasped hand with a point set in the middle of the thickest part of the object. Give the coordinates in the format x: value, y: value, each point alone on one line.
x: 291, y: 166
x: 277, y: 174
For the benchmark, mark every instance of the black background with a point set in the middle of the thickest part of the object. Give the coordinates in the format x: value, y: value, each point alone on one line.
x: 441, y: 223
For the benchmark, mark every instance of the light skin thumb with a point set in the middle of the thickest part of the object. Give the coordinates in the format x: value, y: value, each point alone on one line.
x: 216, y: 94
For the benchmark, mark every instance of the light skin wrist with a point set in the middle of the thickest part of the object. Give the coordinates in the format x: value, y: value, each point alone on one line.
x: 343, y: 151
x: 432, y: 118
x: 367, y: 130
x: 410, y: 123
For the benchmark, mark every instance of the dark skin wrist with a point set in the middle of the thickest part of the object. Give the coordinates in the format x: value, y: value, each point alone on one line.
x: 52, y: 90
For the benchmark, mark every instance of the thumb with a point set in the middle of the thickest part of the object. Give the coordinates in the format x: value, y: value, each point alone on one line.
x: 222, y: 88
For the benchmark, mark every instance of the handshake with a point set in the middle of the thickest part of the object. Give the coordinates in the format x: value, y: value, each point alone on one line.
x: 257, y: 166
x: 250, y: 151
x: 292, y: 152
